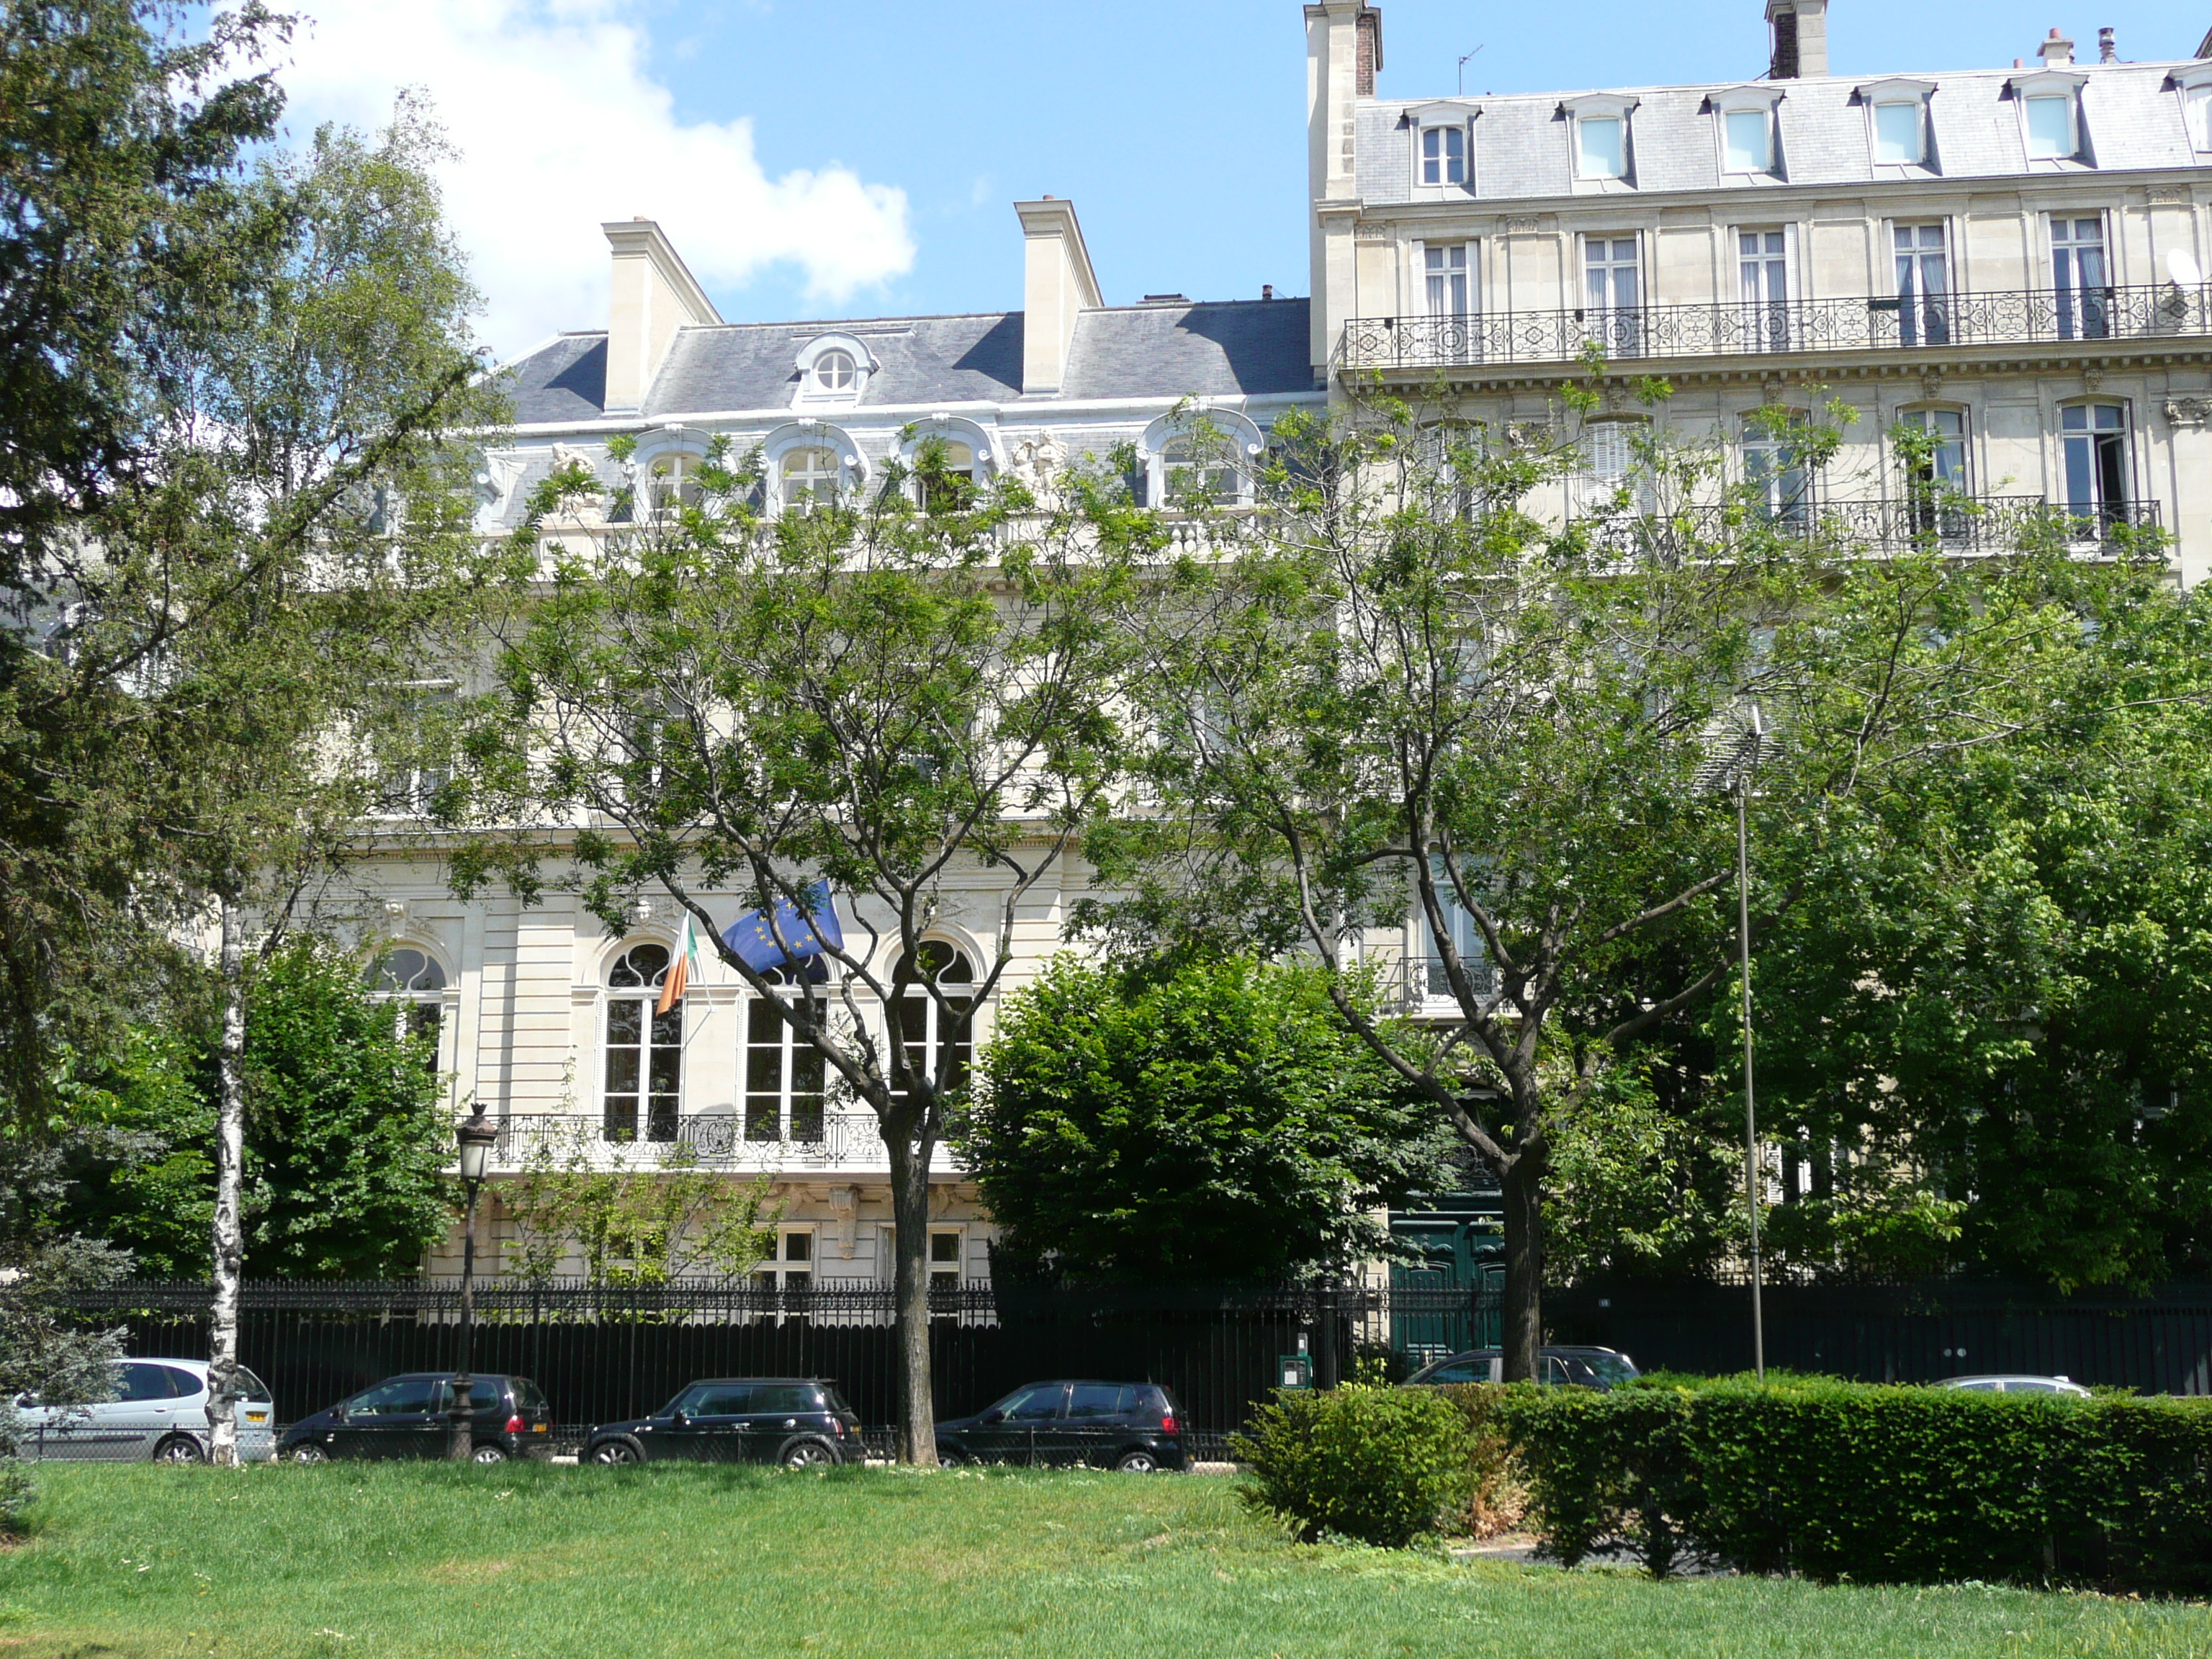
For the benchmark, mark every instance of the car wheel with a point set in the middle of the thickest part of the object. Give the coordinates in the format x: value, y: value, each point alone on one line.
x: 179, y: 1449
x: 308, y: 1452
x: 807, y: 1455
x: 1138, y: 1463
x: 615, y: 1453
x: 949, y: 1460
x: 487, y: 1455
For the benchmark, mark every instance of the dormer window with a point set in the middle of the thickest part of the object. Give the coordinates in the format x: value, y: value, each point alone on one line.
x: 1746, y: 130
x: 1444, y: 143
x: 833, y: 369
x: 1897, y: 122
x: 2050, y: 114
x: 1443, y: 156
x: 2195, y: 88
x: 1602, y: 147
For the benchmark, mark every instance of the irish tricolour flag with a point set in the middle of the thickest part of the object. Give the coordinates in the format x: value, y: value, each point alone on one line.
x: 679, y: 971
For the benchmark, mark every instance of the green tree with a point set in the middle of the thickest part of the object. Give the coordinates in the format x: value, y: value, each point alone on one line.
x: 908, y: 695
x: 1402, y: 714
x: 1209, y: 1120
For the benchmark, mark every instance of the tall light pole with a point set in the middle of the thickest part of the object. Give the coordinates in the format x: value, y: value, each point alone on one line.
x: 476, y: 1136
x: 1732, y: 756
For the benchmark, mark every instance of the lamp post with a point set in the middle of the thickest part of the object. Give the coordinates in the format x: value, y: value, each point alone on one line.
x: 475, y: 1136
x: 1732, y: 755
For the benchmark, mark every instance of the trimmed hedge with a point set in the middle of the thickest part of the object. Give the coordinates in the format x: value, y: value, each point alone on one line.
x: 1379, y: 1464
x: 1867, y: 1482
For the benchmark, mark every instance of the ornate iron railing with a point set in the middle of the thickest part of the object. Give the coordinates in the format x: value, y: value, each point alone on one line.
x: 1964, y: 525
x: 708, y: 1141
x: 2026, y: 316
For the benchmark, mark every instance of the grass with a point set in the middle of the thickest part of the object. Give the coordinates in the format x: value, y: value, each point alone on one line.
x: 397, y: 1559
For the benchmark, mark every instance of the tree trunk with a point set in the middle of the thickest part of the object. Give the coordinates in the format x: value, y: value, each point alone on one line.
x: 1523, y: 1321
x: 917, y: 1425
x: 228, y: 1234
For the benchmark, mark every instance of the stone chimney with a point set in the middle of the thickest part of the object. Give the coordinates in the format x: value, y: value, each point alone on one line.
x: 2057, y: 52
x: 1800, y: 31
x: 653, y: 295
x: 1058, y: 285
x: 2108, y: 46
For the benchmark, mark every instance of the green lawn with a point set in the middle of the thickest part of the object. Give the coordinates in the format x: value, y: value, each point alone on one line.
x: 399, y: 1559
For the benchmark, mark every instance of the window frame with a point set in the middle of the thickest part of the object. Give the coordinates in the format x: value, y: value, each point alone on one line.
x: 1248, y: 445
x: 657, y: 1033
x: 1901, y: 91
x: 810, y: 392
x: 2056, y: 86
x: 982, y: 448
x: 2119, y: 440
x: 777, y: 1272
x: 792, y: 1053
x: 931, y: 1037
x: 1783, y: 461
x: 2194, y: 88
x: 409, y: 1001
x: 1601, y: 106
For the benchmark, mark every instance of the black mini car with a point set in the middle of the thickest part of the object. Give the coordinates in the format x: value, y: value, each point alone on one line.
x: 410, y: 1417
x: 795, y: 1421
x: 1135, y: 1426
x: 1579, y: 1368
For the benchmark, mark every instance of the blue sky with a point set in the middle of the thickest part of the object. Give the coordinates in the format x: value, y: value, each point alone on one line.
x: 812, y: 160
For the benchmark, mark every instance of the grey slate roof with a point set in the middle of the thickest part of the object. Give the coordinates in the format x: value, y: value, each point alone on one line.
x: 2131, y: 117
x: 1241, y: 348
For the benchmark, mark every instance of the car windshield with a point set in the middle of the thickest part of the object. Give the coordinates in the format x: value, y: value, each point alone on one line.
x: 1037, y: 1401
x: 1605, y: 1370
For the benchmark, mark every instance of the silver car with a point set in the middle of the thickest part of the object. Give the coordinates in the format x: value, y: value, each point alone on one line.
x: 159, y: 1412
x: 2007, y: 1383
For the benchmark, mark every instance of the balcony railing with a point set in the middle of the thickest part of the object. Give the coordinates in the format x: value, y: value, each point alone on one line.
x: 2023, y: 317
x: 706, y: 1140
x: 1982, y: 524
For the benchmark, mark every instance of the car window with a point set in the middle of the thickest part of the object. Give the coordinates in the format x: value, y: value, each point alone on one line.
x: 2029, y: 1385
x: 1555, y: 1371
x: 716, y: 1399
x: 404, y: 1396
x: 1610, y: 1369
x: 251, y: 1387
x: 836, y: 1401
x: 138, y: 1381
x: 1037, y: 1404
x: 1461, y: 1371
x: 1980, y: 1385
x: 1154, y: 1402
x: 527, y: 1397
x: 1093, y: 1400
x: 785, y: 1397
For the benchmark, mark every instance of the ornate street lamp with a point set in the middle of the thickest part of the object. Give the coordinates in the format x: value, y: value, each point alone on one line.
x: 476, y: 1136
x: 1734, y: 749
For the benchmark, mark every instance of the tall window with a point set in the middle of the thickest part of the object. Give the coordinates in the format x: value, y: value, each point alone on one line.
x: 2198, y: 107
x: 809, y: 475
x: 645, y: 1050
x: 674, y: 481
x: 1774, y: 468
x: 1898, y: 137
x: 784, y: 1073
x: 835, y: 371
x: 1446, y: 268
x: 1934, y: 484
x: 1923, y: 285
x: 1747, y: 140
x: 929, y: 1031
x: 1609, y: 464
x: 1763, y: 281
x: 2095, y: 437
x: 2078, y: 278
x: 415, y: 985
x: 1435, y: 982
x: 2050, y: 126
x: 1443, y: 156
x: 1613, y: 286
x: 1601, y: 147
x: 953, y: 483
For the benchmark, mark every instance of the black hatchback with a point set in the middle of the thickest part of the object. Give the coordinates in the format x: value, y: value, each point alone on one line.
x: 410, y: 1416
x: 1135, y: 1426
x: 798, y: 1422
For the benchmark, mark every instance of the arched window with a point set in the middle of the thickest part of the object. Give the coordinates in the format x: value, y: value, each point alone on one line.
x: 785, y: 1074
x: 927, y: 1029
x: 835, y: 371
x: 645, y: 1050
x: 1193, y: 472
x: 809, y: 477
x: 949, y: 484
x: 415, y: 985
x: 674, y: 481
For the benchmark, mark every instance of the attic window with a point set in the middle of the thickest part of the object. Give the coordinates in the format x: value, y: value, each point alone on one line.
x: 1897, y: 139
x: 833, y: 372
x: 1443, y: 156
x: 1749, y: 145
x: 1602, y: 148
x: 2050, y: 126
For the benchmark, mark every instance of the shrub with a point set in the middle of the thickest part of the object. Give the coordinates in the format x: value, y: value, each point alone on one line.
x: 1849, y: 1480
x: 1380, y: 1464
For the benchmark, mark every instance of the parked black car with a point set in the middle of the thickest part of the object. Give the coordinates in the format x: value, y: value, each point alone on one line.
x: 1136, y: 1426
x: 407, y: 1417
x: 798, y: 1422
x: 1580, y: 1367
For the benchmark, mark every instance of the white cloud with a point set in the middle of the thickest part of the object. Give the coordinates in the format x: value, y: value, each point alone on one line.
x: 559, y: 127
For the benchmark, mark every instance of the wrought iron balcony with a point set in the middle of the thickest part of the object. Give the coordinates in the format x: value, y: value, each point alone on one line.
x: 1961, y: 525
x: 705, y: 1141
x: 2024, y: 317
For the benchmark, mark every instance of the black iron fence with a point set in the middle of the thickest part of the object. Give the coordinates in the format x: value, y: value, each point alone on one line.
x: 2157, y: 1343
x: 1958, y: 525
x: 2016, y: 317
x: 602, y: 1354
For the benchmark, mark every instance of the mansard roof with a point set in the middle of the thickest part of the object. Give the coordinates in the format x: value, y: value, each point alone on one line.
x: 1242, y: 347
x: 2132, y: 118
